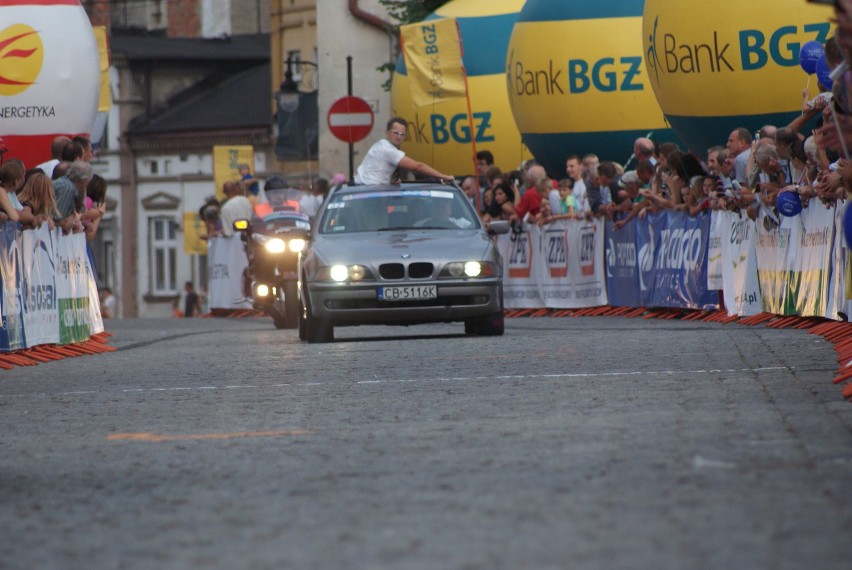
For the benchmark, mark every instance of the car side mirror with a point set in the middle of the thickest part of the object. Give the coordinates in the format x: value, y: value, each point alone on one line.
x: 499, y: 227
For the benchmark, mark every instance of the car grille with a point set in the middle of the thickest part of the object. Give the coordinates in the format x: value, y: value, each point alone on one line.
x: 394, y: 271
x: 420, y: 270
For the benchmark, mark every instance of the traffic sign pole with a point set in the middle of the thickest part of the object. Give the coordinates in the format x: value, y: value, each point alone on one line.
x: 349, y: 93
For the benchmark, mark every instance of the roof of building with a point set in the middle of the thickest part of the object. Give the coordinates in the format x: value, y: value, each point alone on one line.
x: 231, y: 48
x: 239, y: 101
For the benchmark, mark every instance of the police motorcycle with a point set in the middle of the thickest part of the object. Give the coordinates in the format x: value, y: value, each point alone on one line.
x: 273, y: 239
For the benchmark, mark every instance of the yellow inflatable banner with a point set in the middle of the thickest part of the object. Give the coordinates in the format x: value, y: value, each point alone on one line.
x: 433, y: 55
x: 193, y: 228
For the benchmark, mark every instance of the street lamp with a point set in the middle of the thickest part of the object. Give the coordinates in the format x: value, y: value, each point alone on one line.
x: 297, y: 117
x: 287, y: 95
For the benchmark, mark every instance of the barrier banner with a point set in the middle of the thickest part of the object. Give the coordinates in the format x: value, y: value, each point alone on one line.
x: 811, y: 270
x: 673, y: 261
x: 12, y: 331
x: 226, y: 261
x: 570, y: 274
x: 40, y: 305
x: 72, y: 288
x: 738, y: 263
x: 622, y: 274
x: 714, y: 253
x: 839, y: 270
x: 520, y: 272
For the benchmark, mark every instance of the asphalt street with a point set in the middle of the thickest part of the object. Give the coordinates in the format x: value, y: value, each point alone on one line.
x: 567, y: 443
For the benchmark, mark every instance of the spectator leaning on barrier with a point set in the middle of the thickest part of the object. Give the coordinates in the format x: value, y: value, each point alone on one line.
x: 56, y: 145
x: 236, y: 207
x: 38, y: 201
x: 574, y: 169
x: 739, y: 146
x: 70, y: 192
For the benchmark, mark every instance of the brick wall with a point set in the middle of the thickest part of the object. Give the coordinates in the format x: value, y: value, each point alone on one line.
x: 184, y: 18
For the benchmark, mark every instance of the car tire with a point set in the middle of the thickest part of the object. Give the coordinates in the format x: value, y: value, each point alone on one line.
x: 492, y: 325
x: 312, y: 329
x: 291, y: 305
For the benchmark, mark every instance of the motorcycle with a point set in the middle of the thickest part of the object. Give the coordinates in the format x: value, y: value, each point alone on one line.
x: 273, y: 240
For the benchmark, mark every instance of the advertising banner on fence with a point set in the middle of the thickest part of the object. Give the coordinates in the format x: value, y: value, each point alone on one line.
x: 738, y: 263
x: 40, y: 301
x: 673, y: 250
x: 811, y: 268
x: 520, y: 252
x: 622, y: 270
x: 775, y: 246
x: 794, y: 260
x: 571, y: 272
x: 226, y: 261
x: 714, y: 250
x: 557, y: 266
x: 72, y: 288
x: 12, y: 331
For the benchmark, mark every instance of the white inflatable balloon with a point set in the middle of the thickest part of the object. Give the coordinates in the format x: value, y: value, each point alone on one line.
x: 49, y: 75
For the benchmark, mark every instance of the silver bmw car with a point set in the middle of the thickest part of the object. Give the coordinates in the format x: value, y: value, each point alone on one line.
x: 400, y: 254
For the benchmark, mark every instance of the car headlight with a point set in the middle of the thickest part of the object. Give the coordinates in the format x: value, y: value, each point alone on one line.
x: 296, y: 245
x: 341, y: 273
x: 275, y: 245
x: 469, y: 269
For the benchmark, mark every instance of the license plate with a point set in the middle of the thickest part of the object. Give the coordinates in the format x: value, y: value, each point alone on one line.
x: 411, y: 293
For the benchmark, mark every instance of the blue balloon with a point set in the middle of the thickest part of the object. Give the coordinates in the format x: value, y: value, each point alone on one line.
x: 788, y: 203
x: 823, y: 73
x: 809, y: 55
x: 847, y: 224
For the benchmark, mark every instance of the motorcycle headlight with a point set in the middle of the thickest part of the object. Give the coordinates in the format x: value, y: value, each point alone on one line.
x: 261, y: 290
x: 296, y: 245
x: 275, y: 245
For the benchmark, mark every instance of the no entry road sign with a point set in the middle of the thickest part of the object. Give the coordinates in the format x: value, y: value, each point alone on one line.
x: 350, y: 119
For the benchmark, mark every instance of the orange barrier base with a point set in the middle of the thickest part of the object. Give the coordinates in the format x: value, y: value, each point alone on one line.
x: 97, y: 344
x: 837, y: 333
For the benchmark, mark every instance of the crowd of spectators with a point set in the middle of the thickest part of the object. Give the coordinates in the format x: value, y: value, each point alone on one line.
x: 804, y: 159
x: 62, y: 192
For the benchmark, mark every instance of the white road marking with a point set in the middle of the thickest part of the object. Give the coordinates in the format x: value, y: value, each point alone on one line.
x: 414, y: 380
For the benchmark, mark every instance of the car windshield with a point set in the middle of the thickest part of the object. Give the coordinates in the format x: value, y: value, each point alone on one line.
x: 398, y: 209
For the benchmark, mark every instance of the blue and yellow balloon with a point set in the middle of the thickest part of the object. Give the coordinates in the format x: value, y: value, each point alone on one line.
x: 577, y: 80
x: 718, y: 66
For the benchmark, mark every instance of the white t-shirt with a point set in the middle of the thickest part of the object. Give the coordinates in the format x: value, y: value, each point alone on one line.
x: 47, y: 167
x: 379, y: 163
x: 579, y: 193
x: 236, y: 208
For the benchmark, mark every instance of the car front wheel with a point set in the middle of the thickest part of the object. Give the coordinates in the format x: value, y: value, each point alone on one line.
x: 311, y: 328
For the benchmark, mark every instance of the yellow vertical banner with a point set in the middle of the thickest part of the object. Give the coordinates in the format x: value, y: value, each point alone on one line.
x: 193, y: 228
x: 433, y: 58
x: 226, y: 162
x: 104, y: 99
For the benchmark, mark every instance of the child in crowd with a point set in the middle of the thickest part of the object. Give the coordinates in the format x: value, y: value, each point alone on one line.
x: 38, y: 201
